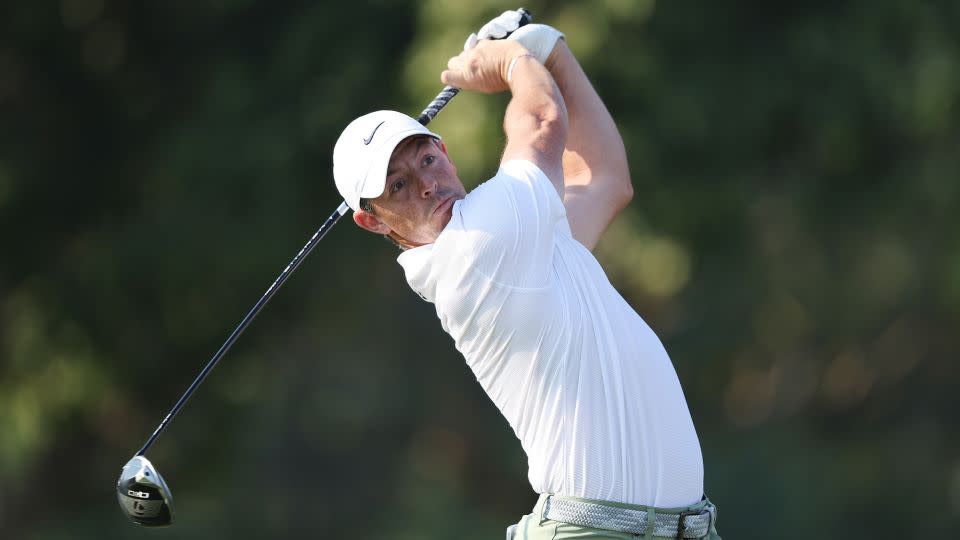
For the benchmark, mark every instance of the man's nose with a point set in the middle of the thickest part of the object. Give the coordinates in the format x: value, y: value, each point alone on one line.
x: 428, y: 186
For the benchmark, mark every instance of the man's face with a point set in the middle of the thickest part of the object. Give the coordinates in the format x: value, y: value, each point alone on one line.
x: 416, y: 203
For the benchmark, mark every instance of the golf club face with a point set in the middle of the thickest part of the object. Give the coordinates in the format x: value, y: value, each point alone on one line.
x: 143, y: 495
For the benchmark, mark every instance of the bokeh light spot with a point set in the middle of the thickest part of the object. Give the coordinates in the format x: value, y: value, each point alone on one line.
x: 847, y: 380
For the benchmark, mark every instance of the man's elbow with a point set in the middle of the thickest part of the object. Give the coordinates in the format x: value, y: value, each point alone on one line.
x: 551, y: 115
x: 623, y: 193
x: 546, y: 132
x: 552, y: 121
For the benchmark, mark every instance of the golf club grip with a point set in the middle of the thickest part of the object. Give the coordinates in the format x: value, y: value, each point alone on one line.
x: 437, y: 104
x: 448, y: 92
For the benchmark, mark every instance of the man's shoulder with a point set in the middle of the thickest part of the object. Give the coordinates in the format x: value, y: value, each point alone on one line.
x: 522, y: 168
x: 520, y: 171
x: 512, y: 175
x: 502, y: 231
x: 516, y: 206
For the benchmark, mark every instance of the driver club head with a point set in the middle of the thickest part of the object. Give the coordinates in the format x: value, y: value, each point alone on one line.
x: 143, y: 495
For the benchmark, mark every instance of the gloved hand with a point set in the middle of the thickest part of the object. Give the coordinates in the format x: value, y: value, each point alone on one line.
x: 500, y: 26
x: 539, y: 39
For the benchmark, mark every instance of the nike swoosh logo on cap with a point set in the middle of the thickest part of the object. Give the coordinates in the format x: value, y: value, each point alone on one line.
x: 369, y: 139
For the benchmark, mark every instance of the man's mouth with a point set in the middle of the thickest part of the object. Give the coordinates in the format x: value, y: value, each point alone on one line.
x: 444, y: 205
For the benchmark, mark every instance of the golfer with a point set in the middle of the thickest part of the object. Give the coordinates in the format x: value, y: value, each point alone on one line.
x: 583, y: 381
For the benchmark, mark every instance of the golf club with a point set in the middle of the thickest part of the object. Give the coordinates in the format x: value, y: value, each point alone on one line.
x: 141, y: 491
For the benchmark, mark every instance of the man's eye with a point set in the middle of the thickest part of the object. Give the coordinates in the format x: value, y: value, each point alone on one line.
x: 397, y: 186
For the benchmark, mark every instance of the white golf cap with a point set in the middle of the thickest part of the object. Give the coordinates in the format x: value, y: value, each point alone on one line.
x: 362, y: 153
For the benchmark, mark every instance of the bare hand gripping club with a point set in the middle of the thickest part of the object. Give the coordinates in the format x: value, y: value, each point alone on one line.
x: 141, y: 491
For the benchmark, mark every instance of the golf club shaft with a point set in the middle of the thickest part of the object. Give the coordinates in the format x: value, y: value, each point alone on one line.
x: 274, y: 287
x: 428, y: 114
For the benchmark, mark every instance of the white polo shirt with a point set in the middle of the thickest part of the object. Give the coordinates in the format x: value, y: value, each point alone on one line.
x: 583, y: 381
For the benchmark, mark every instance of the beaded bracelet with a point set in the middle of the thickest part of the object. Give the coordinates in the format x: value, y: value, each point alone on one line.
x: 514, y: 63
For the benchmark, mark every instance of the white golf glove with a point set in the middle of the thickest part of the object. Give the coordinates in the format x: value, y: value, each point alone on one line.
x: 500, y: 26
x: 539, y: 39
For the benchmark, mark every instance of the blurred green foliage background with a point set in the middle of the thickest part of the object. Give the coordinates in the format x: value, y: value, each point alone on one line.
x: 794, y: 240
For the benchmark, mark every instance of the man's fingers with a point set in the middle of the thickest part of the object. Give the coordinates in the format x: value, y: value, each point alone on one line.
x: 453, y: 63
x: 492, y: 30
x: 506, y: 22
x: 452, y: 75
x: 471, y: 42
x: 514, y: 17
x: 479, y: 68
x: 498, y: 28
x: 451, y: 78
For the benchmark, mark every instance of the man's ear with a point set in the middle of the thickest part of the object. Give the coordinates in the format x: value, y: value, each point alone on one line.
x: 370, y: 222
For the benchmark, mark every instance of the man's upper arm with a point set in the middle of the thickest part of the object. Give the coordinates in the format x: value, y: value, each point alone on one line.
x: 596, y: 175
x: 591, y: 207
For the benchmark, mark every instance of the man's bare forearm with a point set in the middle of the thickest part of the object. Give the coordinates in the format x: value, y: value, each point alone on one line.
x: 536, y: 120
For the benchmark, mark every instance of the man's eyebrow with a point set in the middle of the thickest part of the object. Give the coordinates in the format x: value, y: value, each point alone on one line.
x: 420, y: 142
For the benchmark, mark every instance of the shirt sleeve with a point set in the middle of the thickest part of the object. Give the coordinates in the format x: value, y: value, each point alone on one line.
x: 510, y: 222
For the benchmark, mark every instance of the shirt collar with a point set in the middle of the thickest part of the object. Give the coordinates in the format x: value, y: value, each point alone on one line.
x: 416, y: 265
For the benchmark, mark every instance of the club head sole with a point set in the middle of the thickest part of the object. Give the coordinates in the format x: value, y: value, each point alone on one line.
x: 143, y: 494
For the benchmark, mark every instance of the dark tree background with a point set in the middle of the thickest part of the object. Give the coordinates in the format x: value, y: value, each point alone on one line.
x: 794, y: 240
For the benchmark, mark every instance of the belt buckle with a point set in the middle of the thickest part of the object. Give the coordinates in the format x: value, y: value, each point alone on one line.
x: 681, y: 523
